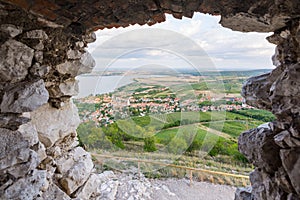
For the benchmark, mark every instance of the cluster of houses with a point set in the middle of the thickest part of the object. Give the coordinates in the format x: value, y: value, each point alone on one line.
x: 109, y: 108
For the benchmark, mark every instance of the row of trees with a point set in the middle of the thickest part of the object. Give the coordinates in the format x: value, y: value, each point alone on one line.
x: 114, y: 135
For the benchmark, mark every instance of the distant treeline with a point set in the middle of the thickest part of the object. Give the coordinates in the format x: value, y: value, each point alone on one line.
x: 247, y: 73
x: 261, y: 115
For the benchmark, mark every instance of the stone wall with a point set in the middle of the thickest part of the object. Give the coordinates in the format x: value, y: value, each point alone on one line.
x: 39, y: 153
x: 275, y: 149
x: 42, y: 50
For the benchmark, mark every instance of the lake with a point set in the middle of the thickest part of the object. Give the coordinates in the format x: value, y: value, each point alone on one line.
x: 91, y: 84
x: 101, y: 84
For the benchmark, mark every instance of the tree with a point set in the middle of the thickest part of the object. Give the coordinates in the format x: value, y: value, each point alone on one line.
x: 114, y: 134
x: 98, y: 140
x: 149, y: 144
x: 83, y: 131
x: 149, y: 140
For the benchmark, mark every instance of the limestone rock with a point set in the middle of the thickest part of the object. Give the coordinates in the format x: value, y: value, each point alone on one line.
x: 283, y: 180
x: 55, y: 192
x: 90, y: 188
x: 38, y: 56
x: 59, y: 32
x: 78, y: 173
x: 35, y: 39
x: 256, y: 90
x: 24, y: 97
x: 40, y: 149
x: 109, y: 190
x: 38, y: 70
x: 109, y: 186
x: 29, y: 133
x: 15, y: 59
x: 260, y: 149
x: 77, y: 67
x: 291, y: 163
x: 16, y: 157
x: 26, y: 188
x: 107, y: 175
x: 12, y: 121
x: 19, y: 163
x: 293, y: 197
x: 53, y: 124
x: 285, y: 91
x: 66, y: 162
x: 263, y: 186
x: 90, y: 37
x: 127, y: 186
x: 64, y: 145
x: 67, y: 88
x: 74, y: 54
x: 295, y: 127
x: 37, y: 34
x: 250, y: 23
x: 286, y: 140
x: 11, y: 141
x: 11, y: 29
x: 243, y: 194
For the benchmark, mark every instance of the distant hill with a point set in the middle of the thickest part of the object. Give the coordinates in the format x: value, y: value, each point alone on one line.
x: 158, y: 70
x: 244, y: 73
x: 247, y: 73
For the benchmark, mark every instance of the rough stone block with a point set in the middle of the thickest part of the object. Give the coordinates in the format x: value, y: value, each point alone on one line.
x: 67, y: 88
x: 74, y: 54
x: 77, y: 67
x: 90, y: 188
x: 12, y: 121
x: 27, y: 188
x: 255, y: 91
x: 77, y: 175
x: 29, y: 133
x: 286, y: 140
x: 285, y: 91
x: 260, y: 148
x: 90, y: 37
x: 67, y: 161
x: 291, y: 163
x: 54, y: 192
x: 26, y: 161
x: 15, y: 60
x: 243, y: 194
x: 11, y: 29
x: 39, y: 71
x: 35, y: 39
x: 54, y: 124
x: 11, y: 141
x: 24, y: 97
x: 283, y: 180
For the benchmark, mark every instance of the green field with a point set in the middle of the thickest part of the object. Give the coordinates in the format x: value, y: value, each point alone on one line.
x: 215, y: 133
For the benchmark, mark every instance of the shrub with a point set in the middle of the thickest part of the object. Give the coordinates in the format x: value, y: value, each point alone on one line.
x: 149, y: 144
x: 177, y: 146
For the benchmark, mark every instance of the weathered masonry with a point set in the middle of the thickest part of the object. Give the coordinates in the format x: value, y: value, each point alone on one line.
x: 42, y: 51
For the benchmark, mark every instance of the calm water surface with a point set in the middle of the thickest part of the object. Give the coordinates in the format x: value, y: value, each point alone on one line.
x: 101, y: 84
x: 104, y: 84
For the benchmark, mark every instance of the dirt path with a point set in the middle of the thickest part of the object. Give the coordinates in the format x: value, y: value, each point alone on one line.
x: 216, y: 132
x: 172, y: 189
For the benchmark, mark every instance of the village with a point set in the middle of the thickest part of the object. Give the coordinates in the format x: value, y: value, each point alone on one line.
x: 105, y: 109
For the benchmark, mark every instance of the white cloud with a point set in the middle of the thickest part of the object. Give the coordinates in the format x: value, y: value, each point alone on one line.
x: 226, y: 48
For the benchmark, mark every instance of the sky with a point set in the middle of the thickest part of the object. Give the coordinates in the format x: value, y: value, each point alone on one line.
x: 200, y: 43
